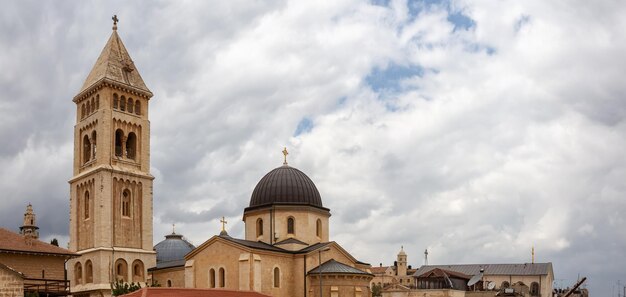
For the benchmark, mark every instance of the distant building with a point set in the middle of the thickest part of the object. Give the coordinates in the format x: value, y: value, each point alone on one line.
x: 170, y: 262
x: 399, y: 273
x: 30, y: 265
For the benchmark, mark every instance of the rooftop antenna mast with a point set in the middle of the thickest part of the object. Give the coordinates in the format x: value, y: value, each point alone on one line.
x: 426, y: 257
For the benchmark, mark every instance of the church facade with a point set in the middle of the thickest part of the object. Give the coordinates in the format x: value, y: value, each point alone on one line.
x: 111, y: 187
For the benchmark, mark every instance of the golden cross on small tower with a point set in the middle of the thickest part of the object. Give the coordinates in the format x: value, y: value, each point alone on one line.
x: 285, y: 153
x: 115, y: 20
x: 223, y: 221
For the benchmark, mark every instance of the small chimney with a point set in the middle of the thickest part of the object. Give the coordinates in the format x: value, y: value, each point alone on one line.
x: 381, y: 264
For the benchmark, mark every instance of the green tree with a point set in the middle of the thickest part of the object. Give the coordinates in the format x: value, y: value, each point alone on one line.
x: 120, y: 287
x: 377, y: 291
x: 54, y: 242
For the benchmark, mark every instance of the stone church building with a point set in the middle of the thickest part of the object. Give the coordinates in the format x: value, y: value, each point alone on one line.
x: 286, y: 250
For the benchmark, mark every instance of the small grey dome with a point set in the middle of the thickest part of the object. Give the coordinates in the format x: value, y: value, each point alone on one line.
x: 287, y: 186
x: 171, y: 251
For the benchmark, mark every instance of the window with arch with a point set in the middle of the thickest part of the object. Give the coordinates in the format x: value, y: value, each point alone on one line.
x: 137, y: 107
x: 131, y: 145
x: 88, y: 111
x: 97, y: 101
x: 82, y: 111
x: 318, y: 228
x: 131, y: 105
x: 115, y: 101
x: 126, y: 203
x: 276, y: 277
x: 121, y: 270
x: 87, y: 204
x: 534, y: 289
x: 94, y: 137
x: 78, y: 273
x: 212, y: 278
x: 93, y: 105
x: 259, y: 227
x: 119, y: 135
x: 123, y: 103
x: 169, y: 283
x: 138, y: 271
x: 291, y: 228
x: 505, y: 285
x: 86, y: 149
x: 88, y: 272
x: 222, y: 274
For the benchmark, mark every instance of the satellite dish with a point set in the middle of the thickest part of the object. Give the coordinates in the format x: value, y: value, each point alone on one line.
x: 474, y: 279
x: 491, y: 285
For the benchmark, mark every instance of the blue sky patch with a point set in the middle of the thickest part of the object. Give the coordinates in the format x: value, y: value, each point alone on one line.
x: 460, y: 21
x: 389, y: 78
x: 304, y: 126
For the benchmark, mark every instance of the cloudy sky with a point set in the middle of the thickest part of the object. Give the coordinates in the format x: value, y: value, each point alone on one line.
x: 476, y: 129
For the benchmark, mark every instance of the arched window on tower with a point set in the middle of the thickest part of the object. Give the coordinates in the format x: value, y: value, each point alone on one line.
x: 123, y: 103
x: 276, y: 277
x: 93, y: 105
x: 222, y: 278
x: 291, y: 228
x: 534, y: 289
x: 131, y: 105
x: 86, y: 149
x: 82, y: 111
x: 137, y: 107
x: 212, y: 278
x: 138, y: 271
x: 318, y: 228
x: 259, y: 227
x: 126, y: 203
x: 131, y: 146
x: 97, y: 101
x: 78, y: 273
x: 121, y: 270
x: 118, y: 142
x: 115, y: 101
x: 88, y: 272
x: 93, y: 143
x: 88, y: 111
x: 87, y: 201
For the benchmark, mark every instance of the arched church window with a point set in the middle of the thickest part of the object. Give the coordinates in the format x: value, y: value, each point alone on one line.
x: 82, y: 111
x: 137, y: 107
x: 131, y: 145
x: 131, y: 105
x: 169, y: 283
x: 138, y: 271
x: 534, y: 289
x: 212, y: 278
x: 276, y: 277
x: 93, y: 105
x: 291, y: 228
x: 86, y: 149
x: 88, y: 272
x: 88, y: 111
x: 97, y: 101
x: 126, y: 203
x: 93, y: 144
x: 318, y: 228
x: 222, y: 277
x: 123, y: 103
x: 86, y: 204
x: 118, y: 142
x: 78, y: 273
x: 259, y: 227
x: 121, y: 270
x: 115, y: 101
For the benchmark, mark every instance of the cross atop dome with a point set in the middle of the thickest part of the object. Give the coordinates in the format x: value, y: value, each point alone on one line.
x: 115, y: 20
x: 285, y: 153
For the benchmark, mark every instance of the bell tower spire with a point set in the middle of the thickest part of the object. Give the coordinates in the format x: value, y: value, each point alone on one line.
x: 111, y: 190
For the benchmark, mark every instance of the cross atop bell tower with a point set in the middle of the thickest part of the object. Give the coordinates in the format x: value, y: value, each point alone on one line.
x: 111, y: 190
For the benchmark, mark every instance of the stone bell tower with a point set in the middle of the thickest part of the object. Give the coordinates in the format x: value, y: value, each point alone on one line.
x: 111, y: 188
x: 29, y: 228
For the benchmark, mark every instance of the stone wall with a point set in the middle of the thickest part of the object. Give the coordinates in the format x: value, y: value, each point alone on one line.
x: 11, y: 284
x: 32, y: 266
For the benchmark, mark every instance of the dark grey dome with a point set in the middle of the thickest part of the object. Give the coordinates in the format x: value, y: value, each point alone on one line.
x: 287, y: 186
x: 171, y: 251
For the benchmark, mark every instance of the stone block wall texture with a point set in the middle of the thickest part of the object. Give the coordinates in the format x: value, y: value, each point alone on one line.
x: 32, y: 266
x: 11, y: 285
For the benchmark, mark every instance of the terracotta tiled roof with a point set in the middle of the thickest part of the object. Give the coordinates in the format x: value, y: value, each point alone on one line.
x: 184, y: 292
x: 379, y: 270
x: 13, y: 242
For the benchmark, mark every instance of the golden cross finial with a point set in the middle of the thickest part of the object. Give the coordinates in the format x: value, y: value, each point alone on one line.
x: 533, y: 252
x: 115, y: 20
x: 285, y: 153
x: 223, y: 221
